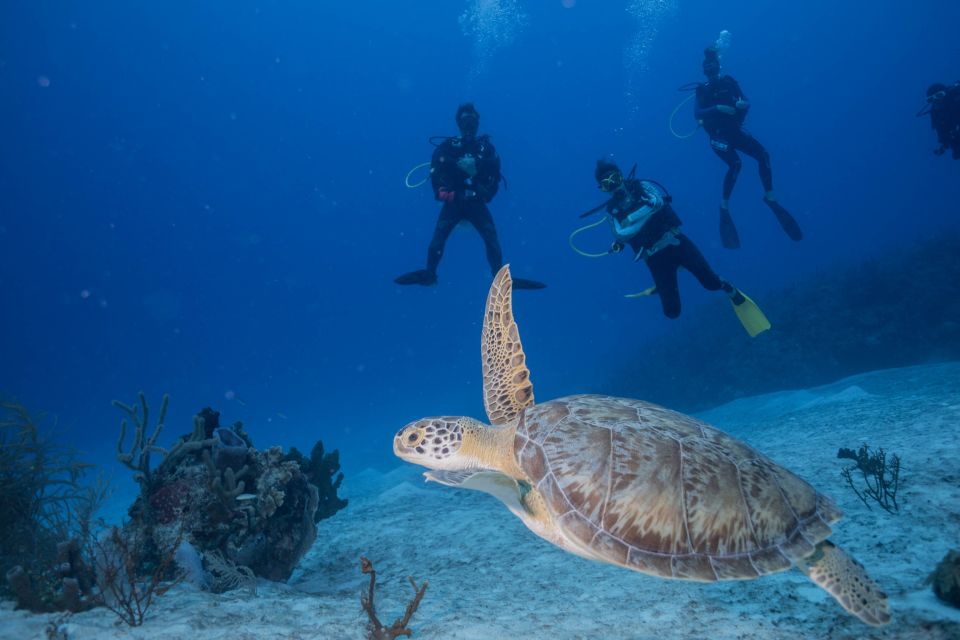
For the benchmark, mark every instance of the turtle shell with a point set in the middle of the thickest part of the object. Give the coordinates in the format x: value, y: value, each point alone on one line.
x: 654, y: 490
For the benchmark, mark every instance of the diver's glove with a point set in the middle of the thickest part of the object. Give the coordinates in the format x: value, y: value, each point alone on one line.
x: 445, y: 194
x: 468, y: 165
x: 742, y: 104
x: 616, y: 247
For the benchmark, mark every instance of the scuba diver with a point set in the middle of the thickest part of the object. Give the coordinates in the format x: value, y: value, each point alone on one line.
x: 641, y: 216
x: 465, y: 175
x: 944, y: 110
x: 722, y: 108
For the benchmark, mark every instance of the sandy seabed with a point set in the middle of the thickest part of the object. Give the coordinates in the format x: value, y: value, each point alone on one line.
x: 490, y: 578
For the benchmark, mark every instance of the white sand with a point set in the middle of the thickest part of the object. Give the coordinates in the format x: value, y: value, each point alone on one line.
x: 491, y: 578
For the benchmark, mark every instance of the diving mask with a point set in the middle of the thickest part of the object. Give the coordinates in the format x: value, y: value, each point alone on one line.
x: 610, y: 182
x: 469, y: 123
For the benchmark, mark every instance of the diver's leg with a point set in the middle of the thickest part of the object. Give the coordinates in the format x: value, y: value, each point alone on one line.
x: 729, y: 237
x: 663, y: 267
x: 746, y: 143
x: 450, y: 215
x: 750, y: 146
x: 691, y: 258
x: 729, y: 155
x: 479, y: 216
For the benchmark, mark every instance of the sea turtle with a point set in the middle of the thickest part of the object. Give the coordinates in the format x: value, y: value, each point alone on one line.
x: 632, y: 483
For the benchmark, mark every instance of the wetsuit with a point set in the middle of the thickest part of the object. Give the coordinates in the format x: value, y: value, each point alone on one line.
x: 470, y: 195
x: 651, y: 227
x: 727, y: 135
x: 945, y: 120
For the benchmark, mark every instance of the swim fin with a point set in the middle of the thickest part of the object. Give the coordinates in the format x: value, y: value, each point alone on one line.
x: 523, y: 283
x: 728, y: 231
x: 749, y: 314
x: 649, y: 291
x: 787, y: 221
x: 420, y: 276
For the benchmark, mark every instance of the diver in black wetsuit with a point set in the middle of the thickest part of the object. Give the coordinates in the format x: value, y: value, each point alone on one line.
x: 465, y: 174
x: 721, y: 109
x: 641, y: 216
x: 945, y: 117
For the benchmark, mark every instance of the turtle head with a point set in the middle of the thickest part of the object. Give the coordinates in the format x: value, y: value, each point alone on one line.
x: 437, y: 443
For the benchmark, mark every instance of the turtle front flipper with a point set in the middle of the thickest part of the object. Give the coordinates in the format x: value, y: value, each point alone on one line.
x: 507, y: 389
x: 847, y: 581
x: 499, y: 485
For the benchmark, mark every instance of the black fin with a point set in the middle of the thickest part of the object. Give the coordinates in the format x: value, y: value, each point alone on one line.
x: 523, y: 283
x: 421, y: 276
x: 786, y: 220
x: 728, y: 231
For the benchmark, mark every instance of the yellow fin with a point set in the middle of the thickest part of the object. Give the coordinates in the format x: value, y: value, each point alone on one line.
x: 649, y: 291
x: 750, y: 316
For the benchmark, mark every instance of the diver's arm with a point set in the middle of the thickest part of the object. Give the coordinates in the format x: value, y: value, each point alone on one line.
x: 437, y: 177
x: 444, y: 174
x: 700, y: 114
x: 487, y: 181
x: 702, y: 109
x: 742, y: 103
x: 624, y: 232
x: 488, y: 165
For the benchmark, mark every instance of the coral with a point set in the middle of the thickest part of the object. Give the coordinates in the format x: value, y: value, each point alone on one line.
x: 880, y: 479
x: 946, y: 578
x: 223, y: 482
x: 229, y: 450
x: 168, y: 501
x: 228, y: 575
x: 322, y: 471
x: 375, y: 628
x: 190, y: 564
x: 126, y: 578
x: 138, y: 457
x: 67, y: 587
x: 77, y: 577
x: 254, y: 508
x: 27, y: 598
x: 211, y: 421
x: 273, y: 481
x: 47, y: 514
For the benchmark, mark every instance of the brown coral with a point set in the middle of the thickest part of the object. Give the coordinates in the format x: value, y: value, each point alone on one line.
x: 375, y: 628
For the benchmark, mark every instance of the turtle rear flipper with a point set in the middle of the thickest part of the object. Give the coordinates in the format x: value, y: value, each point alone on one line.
x: 846, y: 580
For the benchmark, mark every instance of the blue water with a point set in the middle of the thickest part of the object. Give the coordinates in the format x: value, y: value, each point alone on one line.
x: 207, y: 199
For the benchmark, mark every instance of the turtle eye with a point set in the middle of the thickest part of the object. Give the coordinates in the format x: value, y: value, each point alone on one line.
x: 413, y: 438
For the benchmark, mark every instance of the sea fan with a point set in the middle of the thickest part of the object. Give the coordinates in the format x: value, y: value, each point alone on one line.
x: 228, y: 575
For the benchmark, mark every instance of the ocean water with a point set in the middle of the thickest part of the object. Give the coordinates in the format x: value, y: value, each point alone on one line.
x: 207, y: 200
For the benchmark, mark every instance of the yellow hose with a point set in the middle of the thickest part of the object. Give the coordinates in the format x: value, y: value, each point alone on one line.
x: 584, y: 253
x: 674, y: 114
x: 406, y: 180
